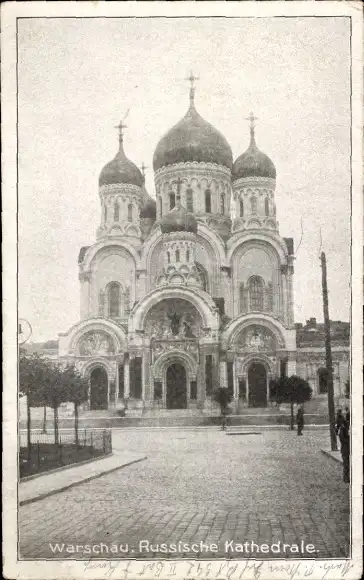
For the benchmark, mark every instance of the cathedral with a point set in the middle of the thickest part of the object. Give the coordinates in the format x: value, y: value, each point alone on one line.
x: 191, y: 290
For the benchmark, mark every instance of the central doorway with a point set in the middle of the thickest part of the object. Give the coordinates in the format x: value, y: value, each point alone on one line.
x: 176, y: 396
x: 257, y: 377
x: 98, y: 389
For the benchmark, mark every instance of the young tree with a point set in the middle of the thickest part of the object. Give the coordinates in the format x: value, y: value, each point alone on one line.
x: 76, y: 390
x: 55, y: 394
x: 32, y: 371
x: 290, y: 390
x: 223, y: 397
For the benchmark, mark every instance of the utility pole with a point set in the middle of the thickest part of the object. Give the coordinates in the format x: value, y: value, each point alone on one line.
x: 330, y: 382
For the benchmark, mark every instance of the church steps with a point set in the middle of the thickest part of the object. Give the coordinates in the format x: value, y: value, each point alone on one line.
x: 251, y: 420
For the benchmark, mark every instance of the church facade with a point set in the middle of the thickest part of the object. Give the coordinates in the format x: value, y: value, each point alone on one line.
x: 192, y: 290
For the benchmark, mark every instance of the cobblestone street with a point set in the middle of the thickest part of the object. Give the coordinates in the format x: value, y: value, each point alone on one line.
x: 201, y: 486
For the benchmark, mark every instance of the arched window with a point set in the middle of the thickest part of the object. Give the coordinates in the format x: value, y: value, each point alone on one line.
x: 266, y: 205
x: 187, y: 256
x: 116, y: 212
x: 160, y: 206
x: 105, y: 213
x: 177, y: 256
x: 241, y: 208
x: 256, y: 293
x: 172, y: 200
x: 168, y: 257
x: 208, y: 201
x: 130, y: 212
x: 222, y: 203
x: 114, y: 299
x: 189, y: 200
x: 254, y: 204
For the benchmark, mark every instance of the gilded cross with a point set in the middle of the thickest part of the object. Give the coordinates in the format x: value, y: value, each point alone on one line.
x: 192, y: 80
x: 120, y: 127
x: 252, y: 120
x: 143, y: 168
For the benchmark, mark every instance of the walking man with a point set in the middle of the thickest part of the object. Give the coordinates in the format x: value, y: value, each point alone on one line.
x: 300, y: 420
x: 344, y: 436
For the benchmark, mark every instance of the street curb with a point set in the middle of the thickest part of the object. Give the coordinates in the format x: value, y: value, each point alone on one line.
x: 198, y: 427
x: 330, y: 453
x: 80, y: 482
x: 63, y: 467
x: 244, y: 433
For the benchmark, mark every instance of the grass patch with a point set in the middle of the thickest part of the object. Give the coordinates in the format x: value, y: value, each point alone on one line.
x: 47, y: 456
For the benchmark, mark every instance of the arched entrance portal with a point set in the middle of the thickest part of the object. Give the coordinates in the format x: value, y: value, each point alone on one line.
x: 176, y: 382
x: 257, y: 377
x: 98, y: 389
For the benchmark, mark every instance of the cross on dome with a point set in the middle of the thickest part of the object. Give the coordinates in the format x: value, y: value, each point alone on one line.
x: 143, y: 168
x: 120, y: 127
x: 192, y: 80
x: 252, y: 120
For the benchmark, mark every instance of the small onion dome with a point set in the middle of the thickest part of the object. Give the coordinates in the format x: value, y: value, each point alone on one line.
x: 192, y: 139
x: 121, y: 170
x: 253, y: 163
x: 178, y: 220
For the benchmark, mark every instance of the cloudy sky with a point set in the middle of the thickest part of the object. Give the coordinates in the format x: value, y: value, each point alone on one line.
x: 78, y: 77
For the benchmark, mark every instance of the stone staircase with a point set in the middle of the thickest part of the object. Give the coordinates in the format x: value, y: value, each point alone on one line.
x: 138, y: 416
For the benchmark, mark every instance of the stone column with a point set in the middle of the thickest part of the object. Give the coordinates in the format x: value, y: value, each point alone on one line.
x: 223, y: 374
x: 283, y: 296
x: 290, y: 317
x: 146, y: 390
x: 117, y: 381
x: 291, y: 364
x: 236, y: 380
x: 201, y: 381
x: 126, y: 377
x: 112, y: 375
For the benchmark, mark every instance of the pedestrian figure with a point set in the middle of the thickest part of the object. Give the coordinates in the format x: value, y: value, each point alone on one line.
x: 223, y: 418
x: 347, y: 414
x: 344, y: 436
x: 339, y: 421
x: 300, y: 420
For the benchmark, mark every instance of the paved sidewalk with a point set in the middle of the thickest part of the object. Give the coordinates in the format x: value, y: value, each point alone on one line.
x: 200, y: 487
x: 336, y: 455
x: 51, y: 483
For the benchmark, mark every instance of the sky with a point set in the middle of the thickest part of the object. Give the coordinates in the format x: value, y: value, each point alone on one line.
x: 78, y: 77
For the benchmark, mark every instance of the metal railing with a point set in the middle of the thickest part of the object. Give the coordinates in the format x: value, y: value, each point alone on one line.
x: 45, y: 454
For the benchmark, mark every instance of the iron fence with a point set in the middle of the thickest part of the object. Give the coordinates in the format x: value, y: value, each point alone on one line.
x: 45, y: 453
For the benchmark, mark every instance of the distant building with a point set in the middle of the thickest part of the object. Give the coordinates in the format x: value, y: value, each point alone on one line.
x: 310, y: 339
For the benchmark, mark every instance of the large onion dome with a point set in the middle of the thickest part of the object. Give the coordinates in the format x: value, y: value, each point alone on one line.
x: 178, y: 220
x: 253, y: 163
x: 192, y: 139
x: 121, y: 170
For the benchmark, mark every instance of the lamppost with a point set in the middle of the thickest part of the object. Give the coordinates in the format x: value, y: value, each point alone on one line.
x: 24, y: 331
